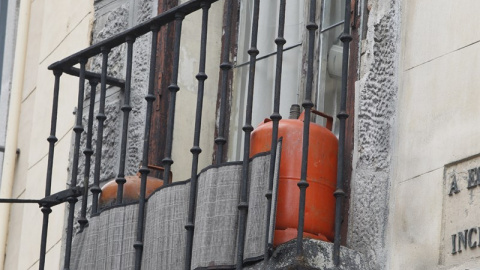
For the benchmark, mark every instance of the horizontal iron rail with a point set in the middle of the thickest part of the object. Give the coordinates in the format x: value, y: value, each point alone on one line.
x: 19, y: 201
x: 95, y: 76
x: 268, y: 55
x: 136, y: 31
x: 52, y: 200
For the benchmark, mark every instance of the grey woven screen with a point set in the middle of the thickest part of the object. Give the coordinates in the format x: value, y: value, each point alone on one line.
x: 78, y: 250
x: 107, y: 243
x: 164, y: 239
x: 257, y: 208
x: 216, y: 216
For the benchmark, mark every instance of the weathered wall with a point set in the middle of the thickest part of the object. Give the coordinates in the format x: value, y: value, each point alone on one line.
x: 187, y: 96
x: 376, y: 98
x: 437, y: 133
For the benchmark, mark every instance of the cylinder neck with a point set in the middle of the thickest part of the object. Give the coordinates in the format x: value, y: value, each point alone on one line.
x: 294, y: 111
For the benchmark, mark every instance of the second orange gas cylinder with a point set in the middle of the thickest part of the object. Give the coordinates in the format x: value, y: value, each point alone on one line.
x: 321, y: 177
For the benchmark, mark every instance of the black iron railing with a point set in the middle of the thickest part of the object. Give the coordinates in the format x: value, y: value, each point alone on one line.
x: 276, y: 117
x: 196, y: 150
x: 176, y: 15
x: 339, y: 193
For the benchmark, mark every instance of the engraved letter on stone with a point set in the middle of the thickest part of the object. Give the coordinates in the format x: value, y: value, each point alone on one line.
x: 454, y: 186
x: 462, y: 240
x: 470, y: 244
x: 472, y: 178
x: 454, y: 244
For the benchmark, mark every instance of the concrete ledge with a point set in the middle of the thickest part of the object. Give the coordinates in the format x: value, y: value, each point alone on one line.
x: 318, y: 255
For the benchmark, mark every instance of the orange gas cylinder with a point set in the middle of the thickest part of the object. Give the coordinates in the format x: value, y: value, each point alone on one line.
x: 131, y: 189
x: 321, y: 177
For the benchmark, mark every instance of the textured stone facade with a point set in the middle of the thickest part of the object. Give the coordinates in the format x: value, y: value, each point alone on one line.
x: 375, y: 120
x: 113, y: 17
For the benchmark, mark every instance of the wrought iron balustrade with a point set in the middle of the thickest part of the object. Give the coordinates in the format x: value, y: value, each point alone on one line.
x: 151, y: 27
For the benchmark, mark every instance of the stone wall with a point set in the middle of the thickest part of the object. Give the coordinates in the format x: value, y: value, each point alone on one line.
x: 376, y: 97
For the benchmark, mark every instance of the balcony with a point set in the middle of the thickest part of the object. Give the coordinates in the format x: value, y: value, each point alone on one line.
x: 223, y: 216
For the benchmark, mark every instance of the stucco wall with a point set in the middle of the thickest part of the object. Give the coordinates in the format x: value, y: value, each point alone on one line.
x: 438, y: 120
x: 416, y: 126
x: 57, y: 28
x: 187, y: 96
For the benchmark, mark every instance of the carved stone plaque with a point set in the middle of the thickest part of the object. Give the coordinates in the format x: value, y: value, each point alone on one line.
x: 461, y: 212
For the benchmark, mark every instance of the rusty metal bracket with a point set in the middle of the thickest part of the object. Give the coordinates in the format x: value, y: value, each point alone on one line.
x: 61, y: 197
x: 52, y: 200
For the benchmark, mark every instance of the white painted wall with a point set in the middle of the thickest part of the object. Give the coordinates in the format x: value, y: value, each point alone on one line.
x: 57, y: 29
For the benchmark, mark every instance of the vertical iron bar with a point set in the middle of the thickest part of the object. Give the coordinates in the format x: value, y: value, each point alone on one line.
x: 52, y: 139
x: 276, y: 117
x: 342, y: 116
x: 126, y: 108
x: 247, y: 128
x: 307, y: 105
x: 101, y: 119
x: 225, y: 66
x: 196, y: 150
x: 78, y: 129
x: 173, y: 89
x: 88, y: 152
x: 150, y: 97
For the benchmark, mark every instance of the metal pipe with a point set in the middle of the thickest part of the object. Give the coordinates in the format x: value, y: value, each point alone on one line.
x: 150, y: 97
x: 126, y: 108
x: 88, y: 152
x: 320, y: 88
x: 276, y: 117
x: 173, y: 89
x: 265, y: 56
x: 225, y: 66
x: 331, y: 26
x: 95, y: 189
x: 307, y: 105
x: 78, y: 129
x: 9, y: 158
x: 360, y: 36
x: 52, y: 139
x: 342, y: 116
x: 3, y: 30
x: 247, y: 128
x: 196, y: 150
